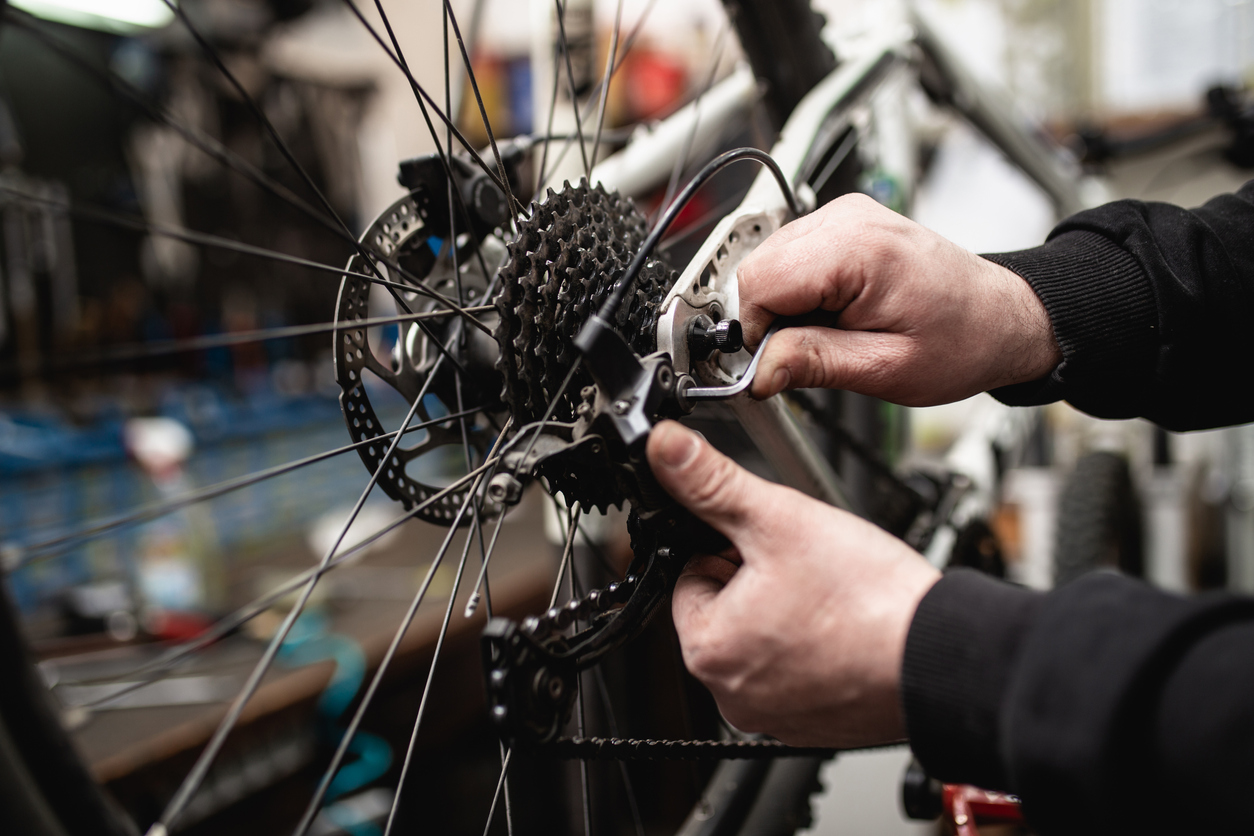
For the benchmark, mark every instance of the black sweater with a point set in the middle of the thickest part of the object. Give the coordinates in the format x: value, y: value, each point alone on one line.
x: 1108, y: 706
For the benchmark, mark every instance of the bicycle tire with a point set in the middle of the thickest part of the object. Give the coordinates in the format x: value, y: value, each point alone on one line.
x: 44, y: 788
x: 1099, y: 520
x: 59, y: 795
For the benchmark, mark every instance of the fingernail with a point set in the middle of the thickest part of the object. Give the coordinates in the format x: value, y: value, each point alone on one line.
x: 676, y: 445
x: 780, y: 380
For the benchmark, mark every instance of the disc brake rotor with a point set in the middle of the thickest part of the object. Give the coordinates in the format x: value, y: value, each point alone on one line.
x: 417, y: 360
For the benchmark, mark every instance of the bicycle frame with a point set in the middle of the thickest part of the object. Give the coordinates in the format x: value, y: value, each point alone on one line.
x: 848, y: 98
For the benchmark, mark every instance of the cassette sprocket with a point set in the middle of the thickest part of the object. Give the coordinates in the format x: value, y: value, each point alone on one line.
x: 562, y: 265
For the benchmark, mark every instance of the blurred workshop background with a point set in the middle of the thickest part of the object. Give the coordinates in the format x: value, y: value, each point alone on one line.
x: 91, y: 430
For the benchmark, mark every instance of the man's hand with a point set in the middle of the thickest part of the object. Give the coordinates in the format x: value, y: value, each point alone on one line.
x: 799, y: 630
x: 919, y: 320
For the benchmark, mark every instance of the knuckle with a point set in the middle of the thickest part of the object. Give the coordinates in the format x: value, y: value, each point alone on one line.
x: 816, y: 363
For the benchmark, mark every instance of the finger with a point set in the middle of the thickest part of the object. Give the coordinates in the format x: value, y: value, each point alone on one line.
x: 867, y: 362
x: 767, y: 287
x: 705, y: 481
x: 690, y: 605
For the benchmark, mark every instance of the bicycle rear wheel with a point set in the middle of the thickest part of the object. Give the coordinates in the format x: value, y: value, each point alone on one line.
x: 457, y: 414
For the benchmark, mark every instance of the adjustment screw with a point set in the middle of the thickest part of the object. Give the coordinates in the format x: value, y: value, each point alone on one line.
x: 621, y: 407
x: 728, y: 336
x: 505, y: 489
x: 706, y: 337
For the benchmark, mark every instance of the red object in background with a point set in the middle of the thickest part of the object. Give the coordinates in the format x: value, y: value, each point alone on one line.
x: 656, y: 84
x: 172, y: 626
x: 965, y: 806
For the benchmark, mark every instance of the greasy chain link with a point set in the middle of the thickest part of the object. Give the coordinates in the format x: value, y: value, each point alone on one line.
x: 596, y: 602
x: 629, y: 749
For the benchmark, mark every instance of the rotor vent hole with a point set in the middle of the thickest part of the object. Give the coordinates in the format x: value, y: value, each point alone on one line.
x: 381, y: 340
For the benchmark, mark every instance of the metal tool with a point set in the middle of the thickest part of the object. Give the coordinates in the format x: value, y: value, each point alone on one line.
x: 692, y: 393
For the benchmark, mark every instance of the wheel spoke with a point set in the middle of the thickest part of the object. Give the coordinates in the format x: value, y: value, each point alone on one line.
x: 202, y: 142
x: 574, y: 95
x: 218, y: 242
x: 259, y: 114
x: 201, y: 768
x: 474, y: 86
x: 315, y: 803
x: 165, y: 348
x: 399, y: 59
x: 548, y: 138
x: 568, y: 548
x: 500, y: 782
x: 681, y: 161
x: 420, y: 91
x: 700, y: 223
x: 580, y: 726
x: 426, y: 688
x: 604, y: 84
x: 163, y: 665
x: 65, y: 542
x: 628, y: 788
x: 605, y: 88
x: 482, y: 582
x: 838, y: 157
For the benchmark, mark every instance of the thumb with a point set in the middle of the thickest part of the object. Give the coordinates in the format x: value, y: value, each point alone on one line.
x: 703, y: 480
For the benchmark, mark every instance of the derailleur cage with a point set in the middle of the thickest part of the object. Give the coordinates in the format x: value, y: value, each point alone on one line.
x: 533, y: 669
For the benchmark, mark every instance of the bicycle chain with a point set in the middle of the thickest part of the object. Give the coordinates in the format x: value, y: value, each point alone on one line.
x: 636, y: 749
x: 596, y: 602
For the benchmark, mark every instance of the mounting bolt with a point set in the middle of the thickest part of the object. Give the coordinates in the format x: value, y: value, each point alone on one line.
x: 505, y: 489
x: 621, y: 407
x: 706, y: 337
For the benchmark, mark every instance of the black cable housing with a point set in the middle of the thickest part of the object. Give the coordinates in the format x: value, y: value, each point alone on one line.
x: 610, y: 308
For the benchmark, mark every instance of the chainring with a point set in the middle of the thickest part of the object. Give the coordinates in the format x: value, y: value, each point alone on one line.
x: 563, y: 264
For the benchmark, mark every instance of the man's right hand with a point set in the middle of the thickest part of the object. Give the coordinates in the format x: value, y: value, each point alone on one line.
x: 919, y: 320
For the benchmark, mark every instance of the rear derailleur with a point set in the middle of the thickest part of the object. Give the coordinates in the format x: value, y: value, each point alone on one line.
x: 533, y: 667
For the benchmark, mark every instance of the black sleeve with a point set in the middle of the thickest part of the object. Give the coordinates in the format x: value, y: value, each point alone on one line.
x: 1153, y: 308
x: 1106, y: 705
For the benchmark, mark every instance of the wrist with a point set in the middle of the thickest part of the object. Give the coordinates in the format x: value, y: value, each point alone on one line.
x: 1028, y: 348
